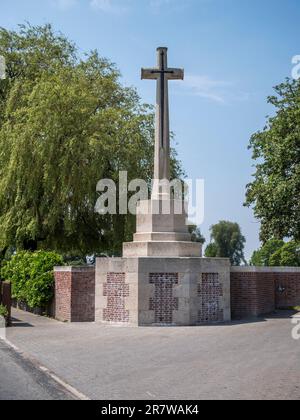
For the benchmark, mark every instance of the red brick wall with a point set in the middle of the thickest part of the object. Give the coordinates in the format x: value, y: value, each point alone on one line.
x: 75, y: 294
x: 255, y: 293
x: 163, y: 303
x: 287, y: 287
x: 116, y: 291
x: 211, y: 291
x: 252, y: 294
x: 83, y: 296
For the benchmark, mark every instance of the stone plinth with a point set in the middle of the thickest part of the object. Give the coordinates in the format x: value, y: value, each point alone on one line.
x: 162, y: 291
x: 162, y: 249
x: 162, y: 231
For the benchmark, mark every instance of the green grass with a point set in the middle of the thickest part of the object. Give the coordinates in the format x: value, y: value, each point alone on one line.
x: 290, y: 308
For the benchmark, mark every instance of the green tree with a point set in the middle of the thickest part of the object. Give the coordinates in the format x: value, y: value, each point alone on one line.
x: 66, y: 123
x: 211, y: 250
x: 287, y: 256
x: 261, y: 257
x: 275, y: 191
x: 227, y: 241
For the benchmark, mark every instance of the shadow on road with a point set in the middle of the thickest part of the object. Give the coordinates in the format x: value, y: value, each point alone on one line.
x: 20, y: 324
x: 278, y: 314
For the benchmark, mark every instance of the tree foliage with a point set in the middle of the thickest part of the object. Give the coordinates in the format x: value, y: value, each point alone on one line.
x: 275, y: 191
x: 65, y: 123
x: 277, y: 253
x: 261, y: 257
x: 287, y: 256
x: 227, y: 241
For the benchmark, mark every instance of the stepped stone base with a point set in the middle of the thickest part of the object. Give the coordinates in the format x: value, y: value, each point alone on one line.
x: 162, y: 291
x: 162, y: 231
x: 162, y: 249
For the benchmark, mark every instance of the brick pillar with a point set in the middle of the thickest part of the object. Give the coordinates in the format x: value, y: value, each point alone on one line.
x: 75, y: 294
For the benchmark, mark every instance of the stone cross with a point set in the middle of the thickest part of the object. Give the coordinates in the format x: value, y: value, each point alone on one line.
x: 162, y: 74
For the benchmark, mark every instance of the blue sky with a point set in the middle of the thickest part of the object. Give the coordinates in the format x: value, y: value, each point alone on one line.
x: 233, y: 52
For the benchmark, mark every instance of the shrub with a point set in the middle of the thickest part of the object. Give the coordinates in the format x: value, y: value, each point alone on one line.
x: 31, y: 275
x: 3, y: 311
x: 17, y: 271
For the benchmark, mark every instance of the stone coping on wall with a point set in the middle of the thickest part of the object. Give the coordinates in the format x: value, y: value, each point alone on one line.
x: 69, y: 269
x: 252, y: 269
x: 243, y: 269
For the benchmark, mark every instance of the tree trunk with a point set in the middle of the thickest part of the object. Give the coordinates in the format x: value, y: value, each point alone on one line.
x: 3, y: 252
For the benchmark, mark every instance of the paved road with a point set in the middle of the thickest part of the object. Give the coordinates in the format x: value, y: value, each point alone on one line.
x: 21, y: 380
x: 255, y: 360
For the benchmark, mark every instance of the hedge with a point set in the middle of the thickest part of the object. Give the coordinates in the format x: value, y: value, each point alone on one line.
x: 31, y: 276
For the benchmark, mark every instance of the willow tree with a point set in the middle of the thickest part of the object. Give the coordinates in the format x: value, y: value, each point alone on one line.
x: 65, y: 124
x: 227, y: 241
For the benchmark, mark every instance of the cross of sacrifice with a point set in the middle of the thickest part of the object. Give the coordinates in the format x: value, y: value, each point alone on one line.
x: 162, y: 74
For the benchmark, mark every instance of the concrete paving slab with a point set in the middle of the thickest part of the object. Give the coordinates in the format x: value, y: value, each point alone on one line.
x: 253, y: 360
